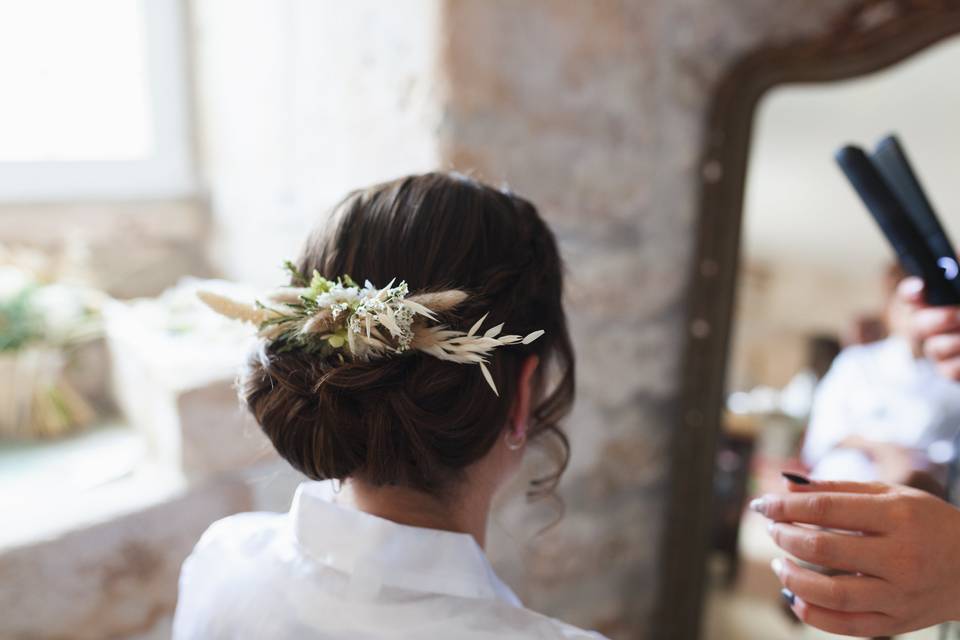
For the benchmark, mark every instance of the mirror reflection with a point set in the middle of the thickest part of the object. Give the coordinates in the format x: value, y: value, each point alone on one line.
x: 822, y: 377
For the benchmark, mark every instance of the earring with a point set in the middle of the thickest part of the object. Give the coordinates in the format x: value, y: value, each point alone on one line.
x: 515, y: 442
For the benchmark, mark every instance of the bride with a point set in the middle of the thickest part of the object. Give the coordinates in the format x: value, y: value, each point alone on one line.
x: 419, y: 397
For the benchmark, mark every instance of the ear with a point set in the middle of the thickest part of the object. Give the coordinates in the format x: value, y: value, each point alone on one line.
x: 524, y: 397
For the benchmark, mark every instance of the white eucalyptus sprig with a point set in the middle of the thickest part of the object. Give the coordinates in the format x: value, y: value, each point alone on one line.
x: 364, y: 323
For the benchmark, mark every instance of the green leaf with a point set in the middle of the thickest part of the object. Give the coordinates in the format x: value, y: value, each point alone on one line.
x: 298, y: 278
x: 19, y: 324
x: 319, y: 284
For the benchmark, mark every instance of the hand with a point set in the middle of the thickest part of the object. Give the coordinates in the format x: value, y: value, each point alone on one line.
x: 894, y: 463
x: 936, y: 328
x: 902, y: 553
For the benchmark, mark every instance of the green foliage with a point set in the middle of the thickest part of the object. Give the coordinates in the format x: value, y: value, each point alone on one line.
x: 18, y: 322
x: 319, y: 285
x: 299, y: 280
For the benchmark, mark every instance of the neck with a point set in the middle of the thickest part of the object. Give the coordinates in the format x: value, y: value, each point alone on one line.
x: 464, y: 512
x: 917, y: 348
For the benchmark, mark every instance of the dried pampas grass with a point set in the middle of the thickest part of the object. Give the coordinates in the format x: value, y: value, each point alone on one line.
x: 468, y: 348
x: 439, y: 301
x: 369, y: 322
x: 237, y: 310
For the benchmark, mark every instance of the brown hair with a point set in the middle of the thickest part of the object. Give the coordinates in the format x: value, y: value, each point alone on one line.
x: 413, y: 420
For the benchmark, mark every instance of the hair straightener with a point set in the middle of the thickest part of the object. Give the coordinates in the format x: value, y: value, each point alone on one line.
x: 895, y: 198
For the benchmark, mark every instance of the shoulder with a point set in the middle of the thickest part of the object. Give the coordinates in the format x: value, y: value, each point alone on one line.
x: 570, y: 632
x: 521, y: 622
x: 892, y: 350
x: 242, y: 531
x: 222, y: 577
x: 239, y: 545
x: 230, y: 544
x: 858, y: 359
x: 857, y: 353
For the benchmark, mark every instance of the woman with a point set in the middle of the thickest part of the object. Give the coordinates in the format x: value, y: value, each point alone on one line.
x: 418, y: 399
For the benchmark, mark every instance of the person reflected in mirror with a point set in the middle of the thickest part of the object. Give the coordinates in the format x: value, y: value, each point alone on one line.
x: 883, y: 412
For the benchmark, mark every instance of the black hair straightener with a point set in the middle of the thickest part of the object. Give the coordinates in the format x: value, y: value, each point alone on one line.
x: 895, y: 198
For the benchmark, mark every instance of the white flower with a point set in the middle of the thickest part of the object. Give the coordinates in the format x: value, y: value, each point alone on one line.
x: 12, y: 282
x: 62, y: 309
x: 371, y: 323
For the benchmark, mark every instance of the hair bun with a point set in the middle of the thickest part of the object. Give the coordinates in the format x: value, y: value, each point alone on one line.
x: 389, y: 421
x: 416, y: 419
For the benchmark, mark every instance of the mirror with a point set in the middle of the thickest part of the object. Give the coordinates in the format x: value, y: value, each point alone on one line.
x: 789, y: 267
x: 819, y: 379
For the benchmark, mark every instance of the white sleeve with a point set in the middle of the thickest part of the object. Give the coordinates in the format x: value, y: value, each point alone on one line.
x: 831, y: 419
x: 845, y: 464
x: 217, y: 578
x: 196, y: 611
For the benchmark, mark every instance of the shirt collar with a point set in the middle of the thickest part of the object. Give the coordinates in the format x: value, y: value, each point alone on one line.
x: 375, y: 552
x: 900, y: 363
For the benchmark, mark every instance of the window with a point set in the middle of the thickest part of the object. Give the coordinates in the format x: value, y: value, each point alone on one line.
x: 93, y: 100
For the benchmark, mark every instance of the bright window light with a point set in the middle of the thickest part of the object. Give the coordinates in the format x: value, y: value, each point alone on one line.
x: 93, y: 100
x: 74, y: 81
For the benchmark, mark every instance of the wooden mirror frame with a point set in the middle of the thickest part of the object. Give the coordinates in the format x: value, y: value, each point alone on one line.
x: 869, y: 36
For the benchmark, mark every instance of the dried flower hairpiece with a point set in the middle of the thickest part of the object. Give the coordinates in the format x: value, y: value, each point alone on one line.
x: 363, y: 323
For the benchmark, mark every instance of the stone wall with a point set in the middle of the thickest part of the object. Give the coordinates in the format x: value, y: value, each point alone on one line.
x: 133, y: 248
x: 114, y: 577
x: 596, y: 110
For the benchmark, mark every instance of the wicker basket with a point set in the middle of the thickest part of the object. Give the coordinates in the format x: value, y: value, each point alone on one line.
x: 35, y: 400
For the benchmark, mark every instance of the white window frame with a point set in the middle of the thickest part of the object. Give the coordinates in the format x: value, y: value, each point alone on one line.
x: 168, y: 173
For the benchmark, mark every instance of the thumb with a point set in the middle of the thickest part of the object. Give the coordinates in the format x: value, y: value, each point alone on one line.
x: 910, y: 290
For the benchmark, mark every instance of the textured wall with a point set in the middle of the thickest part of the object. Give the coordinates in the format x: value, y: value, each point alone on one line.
x: 134, y: 248
x: 111, y: 578
x: 302, y: 101
x: 780, y: 305
x: 556, y: 100
x: 593, y: 109
x: 596, y: 111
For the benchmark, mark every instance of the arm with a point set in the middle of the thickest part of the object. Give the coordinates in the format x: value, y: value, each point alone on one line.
x: 831, y: 420
x: 897, y: 464
x: 834, y: 446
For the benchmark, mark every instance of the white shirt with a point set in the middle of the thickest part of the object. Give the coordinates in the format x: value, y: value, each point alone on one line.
x: 881, y: 392
x: 329, y: 571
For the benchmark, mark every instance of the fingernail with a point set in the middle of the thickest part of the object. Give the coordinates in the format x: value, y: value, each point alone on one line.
x: 795, y: 478
x: 788, y: 596
x: 759, y: 505
x: 770, y: 527
x: 911, y: 286
x: 777, y: 565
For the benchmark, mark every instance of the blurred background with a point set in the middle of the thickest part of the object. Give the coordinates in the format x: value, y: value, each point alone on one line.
x: 151, y: 146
